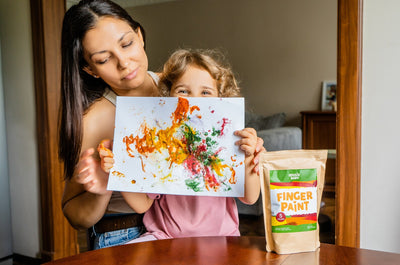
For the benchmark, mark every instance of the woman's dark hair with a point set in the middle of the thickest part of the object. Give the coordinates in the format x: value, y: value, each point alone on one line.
x: 79, y: 89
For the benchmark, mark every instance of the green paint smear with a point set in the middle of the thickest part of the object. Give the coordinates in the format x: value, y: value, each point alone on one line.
x: 193, y: 184
x: 191, y: 136
x: 215, y: 132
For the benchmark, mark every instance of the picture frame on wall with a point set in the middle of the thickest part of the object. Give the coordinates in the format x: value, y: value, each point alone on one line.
x: 328, y: 100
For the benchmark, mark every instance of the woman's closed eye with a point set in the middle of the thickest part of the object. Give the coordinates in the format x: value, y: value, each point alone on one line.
x: 102, y: 61
x: 126, y: 45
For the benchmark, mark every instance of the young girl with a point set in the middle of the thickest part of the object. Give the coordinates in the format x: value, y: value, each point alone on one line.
x: 195, y: 74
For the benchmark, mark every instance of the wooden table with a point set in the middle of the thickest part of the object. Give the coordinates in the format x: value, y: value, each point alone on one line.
x: 224, y: 250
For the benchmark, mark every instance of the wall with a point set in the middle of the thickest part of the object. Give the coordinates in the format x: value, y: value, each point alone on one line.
x: 280, y: 50
x: 5, y: 210
x: 17, y: 75
x: 380, y: 175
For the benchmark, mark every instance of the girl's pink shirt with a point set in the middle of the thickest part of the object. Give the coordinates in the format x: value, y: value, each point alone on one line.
x: 173, y: 216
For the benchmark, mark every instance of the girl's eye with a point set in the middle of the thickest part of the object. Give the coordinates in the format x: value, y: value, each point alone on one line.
x: 127, y: 45
x: 182, y: 91
x: 206, y: 93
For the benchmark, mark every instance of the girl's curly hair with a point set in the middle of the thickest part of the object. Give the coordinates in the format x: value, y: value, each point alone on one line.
x: 210, y: 60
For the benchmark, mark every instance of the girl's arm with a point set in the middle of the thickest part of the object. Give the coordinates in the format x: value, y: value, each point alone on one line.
x: 85, y: 197
x: 139, y: 202
x: 248, y: 144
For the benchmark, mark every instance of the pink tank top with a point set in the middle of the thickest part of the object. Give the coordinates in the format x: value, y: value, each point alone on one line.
x: 173, y: 216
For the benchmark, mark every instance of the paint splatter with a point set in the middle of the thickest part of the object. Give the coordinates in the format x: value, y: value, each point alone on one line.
x: 181, y: 144
x: 118, y: 174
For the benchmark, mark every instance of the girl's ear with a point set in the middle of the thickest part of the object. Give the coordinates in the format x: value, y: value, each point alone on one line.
x: 89, y: 70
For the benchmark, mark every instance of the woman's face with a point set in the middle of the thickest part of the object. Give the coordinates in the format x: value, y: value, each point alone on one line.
x: 115, y: 53
x: 195, y: 82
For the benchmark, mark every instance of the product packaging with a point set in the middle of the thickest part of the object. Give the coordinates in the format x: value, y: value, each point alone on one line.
x: 291, y: 184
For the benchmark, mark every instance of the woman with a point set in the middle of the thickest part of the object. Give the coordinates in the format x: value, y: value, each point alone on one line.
x: 102, y: 56
x: 102, y: 48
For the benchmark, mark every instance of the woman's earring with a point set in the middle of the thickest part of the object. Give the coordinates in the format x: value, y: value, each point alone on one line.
x: 95, y: 76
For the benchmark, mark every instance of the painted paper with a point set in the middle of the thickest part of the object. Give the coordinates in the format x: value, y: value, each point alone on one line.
x: 181, y: 146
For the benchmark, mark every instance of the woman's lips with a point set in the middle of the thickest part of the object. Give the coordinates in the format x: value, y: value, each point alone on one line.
x: 131, y: 75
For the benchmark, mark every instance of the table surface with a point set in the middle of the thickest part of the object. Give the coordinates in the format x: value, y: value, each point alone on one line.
x: 224, y: 250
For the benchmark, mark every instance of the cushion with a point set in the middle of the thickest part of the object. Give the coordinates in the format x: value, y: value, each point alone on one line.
x: 261, y: 122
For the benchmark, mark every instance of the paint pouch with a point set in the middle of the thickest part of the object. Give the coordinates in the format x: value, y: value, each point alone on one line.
x: 291, y: 184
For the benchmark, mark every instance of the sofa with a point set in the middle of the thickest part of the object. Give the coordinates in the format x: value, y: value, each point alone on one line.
x: 276, y: 137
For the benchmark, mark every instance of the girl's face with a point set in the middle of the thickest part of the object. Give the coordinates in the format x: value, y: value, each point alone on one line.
x: 195, y: 82
x: 115, y: 53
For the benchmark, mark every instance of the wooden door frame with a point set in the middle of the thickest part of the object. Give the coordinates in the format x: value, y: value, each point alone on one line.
x: 60, y: 240
x: 349, y: 74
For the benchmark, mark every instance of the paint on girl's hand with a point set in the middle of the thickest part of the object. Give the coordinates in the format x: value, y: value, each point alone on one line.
x: 187, y: 147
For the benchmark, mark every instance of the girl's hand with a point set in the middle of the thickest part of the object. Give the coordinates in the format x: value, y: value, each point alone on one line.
x: 89, y: 174
x: 249, y: 140
x: 259, y: 149
x: 106, y: 156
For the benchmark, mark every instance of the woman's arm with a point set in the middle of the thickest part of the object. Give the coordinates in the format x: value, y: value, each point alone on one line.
x: 249, y: 144
x: 85, y: 197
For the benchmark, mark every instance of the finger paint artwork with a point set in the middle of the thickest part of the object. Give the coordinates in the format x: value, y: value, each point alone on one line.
x: 178, y: 146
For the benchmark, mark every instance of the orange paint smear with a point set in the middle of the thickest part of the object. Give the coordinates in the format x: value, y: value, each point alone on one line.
x: 141, y: 161
x: 154, y: 140
x: 118, y: 174
x: 233, y: 179
x: 193, y: 108
x: 181, y: 110
x: 102, y: 147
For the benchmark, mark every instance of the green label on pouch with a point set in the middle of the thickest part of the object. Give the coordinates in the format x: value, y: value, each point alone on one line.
x: 293, y: 175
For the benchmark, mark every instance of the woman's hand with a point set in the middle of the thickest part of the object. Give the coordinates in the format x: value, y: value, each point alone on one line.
x: 106, y: 155
x: 90, y: 175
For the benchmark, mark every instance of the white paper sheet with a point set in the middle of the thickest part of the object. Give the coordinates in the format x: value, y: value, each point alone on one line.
x: 179, y: 146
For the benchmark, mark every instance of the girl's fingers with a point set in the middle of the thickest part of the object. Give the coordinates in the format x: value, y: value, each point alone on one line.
x: 107, y: 166
x: 104, y: 148
x: 260, y: 144
x: 108, y: 160
x: 246, y: 132
x: 247, y: 150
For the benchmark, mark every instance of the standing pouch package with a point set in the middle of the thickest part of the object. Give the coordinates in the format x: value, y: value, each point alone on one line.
x: 291, y: 184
